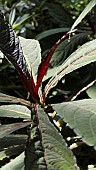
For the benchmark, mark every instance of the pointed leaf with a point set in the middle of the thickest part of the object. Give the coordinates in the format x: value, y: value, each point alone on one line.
x: 44, y: 64
x: 57, y: 155
x: 47, y: 149
x: 5, y: 130
x: 17, y: 163
x: 10, y: 99
x: 12, y: 16
x: 10, y: 46
x: 47, y: 33
x: 84, y: 55
x: 20, y: 20
x: 81, y: 116
x: 16, y: 111
x: 88, y: 8
x: 66, y: 48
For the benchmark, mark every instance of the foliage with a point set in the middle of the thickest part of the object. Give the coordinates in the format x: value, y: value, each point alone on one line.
x: 34, y: 134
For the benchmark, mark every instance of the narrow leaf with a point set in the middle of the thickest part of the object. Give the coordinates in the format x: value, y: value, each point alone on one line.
x: 12, y: 16
x: 86, y: 54
x: 10, y: 99
x: 5, y: 130
x: 20, y: 20
x: 44, y: 64
x: 81, y: 116
x: 88, y: 8
x: 47, y: 33
x: 16, y: 111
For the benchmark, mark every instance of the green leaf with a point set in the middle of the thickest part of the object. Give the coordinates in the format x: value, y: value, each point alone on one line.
x: 12, y: 145
x: 16, y: 111
x: 12, y: 16
x: 51, y: 32
x: 10, y: 99
x: 16, y: 164
x: 5, y: 130
x: 80, y: 116
x: 91, y: 167
x: 59, y: 15
x: 3, y: 155
x: 32, y: 53
x: 12, y: 140
x: 20, y: 20
x: 66, y: 48
x: 86, y: 54
x: 57, y: 155
x: 88, y: 8
x: 12, y: 151
x: 47, y: 149
x: 91, y: 91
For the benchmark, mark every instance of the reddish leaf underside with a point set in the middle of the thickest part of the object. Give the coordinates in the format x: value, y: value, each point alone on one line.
x: 44, y: 64
x: 11, y: 48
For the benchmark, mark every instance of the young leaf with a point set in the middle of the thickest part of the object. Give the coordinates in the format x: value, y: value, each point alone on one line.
x: 20, y: 20
x: 10, y: 46
x: 81, y: 116
x: 88, y: 8
x: 16, y: 111
x: 45, y: 62
x: 84, y: 55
